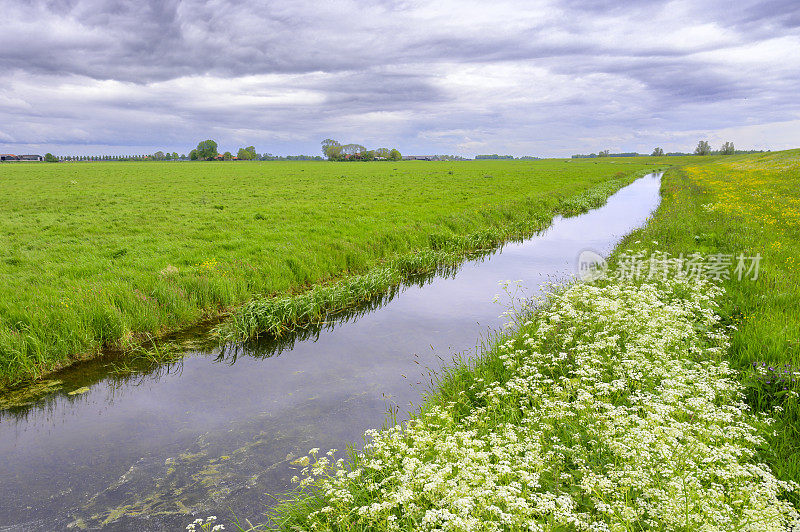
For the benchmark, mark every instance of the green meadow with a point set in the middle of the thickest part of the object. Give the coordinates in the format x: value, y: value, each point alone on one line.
x: 99, y: 255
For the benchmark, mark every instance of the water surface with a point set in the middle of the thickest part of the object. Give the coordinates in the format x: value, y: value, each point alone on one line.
x: 216, y: 432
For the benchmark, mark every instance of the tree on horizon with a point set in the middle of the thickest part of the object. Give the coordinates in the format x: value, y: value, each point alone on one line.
x: 207, y: 149
x: 703, y: 148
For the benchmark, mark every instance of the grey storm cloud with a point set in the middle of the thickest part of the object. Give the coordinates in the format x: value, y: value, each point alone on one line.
x: 547, y: 78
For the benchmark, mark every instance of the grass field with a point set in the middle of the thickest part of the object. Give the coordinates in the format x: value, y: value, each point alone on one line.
x: 99, y: 254
x: 664, y: 402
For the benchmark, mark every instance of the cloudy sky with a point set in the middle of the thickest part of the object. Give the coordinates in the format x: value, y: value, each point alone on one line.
x: 463, y: 77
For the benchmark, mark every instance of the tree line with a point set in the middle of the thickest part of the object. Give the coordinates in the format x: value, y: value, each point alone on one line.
x: 703, y: 148
x: 157, y: 156
x: 607, y: 153
x: 496, y: 157
x: 208, y: 150
x: 336, y: 151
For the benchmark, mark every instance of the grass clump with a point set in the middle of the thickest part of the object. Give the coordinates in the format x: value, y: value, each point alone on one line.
x: 275, y: 316
x: 146, y: 357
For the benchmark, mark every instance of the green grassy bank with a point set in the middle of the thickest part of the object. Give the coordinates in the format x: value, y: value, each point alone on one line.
x: 747, y: 205
x: 102, y: 254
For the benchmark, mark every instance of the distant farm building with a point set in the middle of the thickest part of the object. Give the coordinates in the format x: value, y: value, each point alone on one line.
x: 418, y: 157
x: 8, y: 157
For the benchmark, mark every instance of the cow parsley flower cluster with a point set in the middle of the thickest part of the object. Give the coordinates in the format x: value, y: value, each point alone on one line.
x: 611, y: 408
x: 198, y: 525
